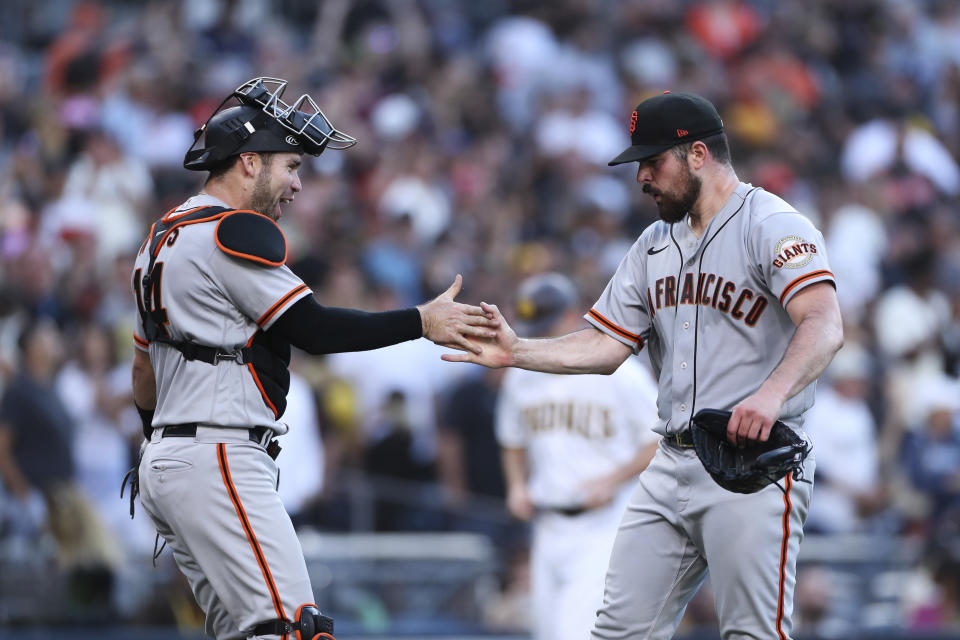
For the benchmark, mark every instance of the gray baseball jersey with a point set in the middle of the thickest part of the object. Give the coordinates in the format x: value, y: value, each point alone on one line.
x: 215, y: 299
x: 212, y: 495
x: 711, y: 311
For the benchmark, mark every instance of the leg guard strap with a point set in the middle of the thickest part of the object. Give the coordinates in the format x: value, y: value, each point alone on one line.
x: 309, y: 625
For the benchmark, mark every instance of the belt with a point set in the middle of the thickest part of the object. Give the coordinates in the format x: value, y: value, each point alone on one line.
x: 683, y: 439
x: 189, y: 430
x: 565, y: 511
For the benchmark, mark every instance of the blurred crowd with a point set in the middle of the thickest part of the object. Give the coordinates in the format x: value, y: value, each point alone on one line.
x: 484, y: 129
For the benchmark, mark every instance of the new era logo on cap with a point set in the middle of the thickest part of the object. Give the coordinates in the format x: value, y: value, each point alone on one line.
x: 667, y: 120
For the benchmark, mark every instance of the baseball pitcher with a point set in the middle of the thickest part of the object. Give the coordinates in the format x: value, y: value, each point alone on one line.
x: 732, y: 295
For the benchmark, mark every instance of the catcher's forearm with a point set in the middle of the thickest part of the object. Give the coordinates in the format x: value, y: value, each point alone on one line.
x: 585, y: 351
x: 317, y: 329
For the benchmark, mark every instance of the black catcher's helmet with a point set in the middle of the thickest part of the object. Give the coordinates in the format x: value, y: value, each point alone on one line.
x: 263, y: 122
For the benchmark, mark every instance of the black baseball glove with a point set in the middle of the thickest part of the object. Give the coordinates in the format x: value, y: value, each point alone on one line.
x: 754, y: 466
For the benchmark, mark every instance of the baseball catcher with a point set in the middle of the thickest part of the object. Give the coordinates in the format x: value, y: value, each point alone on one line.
x: 749, y: 468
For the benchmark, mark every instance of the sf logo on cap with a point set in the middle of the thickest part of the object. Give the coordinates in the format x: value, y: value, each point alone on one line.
x: 633, y: 122
x: 292, y: 140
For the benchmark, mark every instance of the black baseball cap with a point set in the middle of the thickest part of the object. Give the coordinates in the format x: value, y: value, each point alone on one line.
x: 541, y: 302
x: 667, y: 120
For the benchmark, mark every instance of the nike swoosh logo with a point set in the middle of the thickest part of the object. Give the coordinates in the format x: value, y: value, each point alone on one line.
x: 651, y: 251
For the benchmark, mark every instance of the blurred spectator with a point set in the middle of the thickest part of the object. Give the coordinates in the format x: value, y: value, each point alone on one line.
x: 94, y: 388
x: 879, y: 146
x: 392, y: 260
x: 522, y: 50
x: 844, y: 434
x: 302, y: 459
x: 908, y: 321
x: 469, y: 456
x: 117, y: 188
x: 572, y: 128
x: 931, y: 453
x: 396, y: 388
x: 723, y: 27
x: 36, y: 454
x: 936, y: 606
x: 418, y: 194
x: 856, y: 241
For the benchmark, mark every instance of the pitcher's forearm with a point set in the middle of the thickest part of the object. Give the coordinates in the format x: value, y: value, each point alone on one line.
x: 584, y: 351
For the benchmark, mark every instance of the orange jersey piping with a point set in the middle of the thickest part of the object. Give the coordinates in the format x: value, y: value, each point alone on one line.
x: 185, y: 223
x: 279, y: 304
x: 801, y: 280
x: 784, y: 547
x: 248, y: 531
x: 609, y: 325
x: 256, y: 381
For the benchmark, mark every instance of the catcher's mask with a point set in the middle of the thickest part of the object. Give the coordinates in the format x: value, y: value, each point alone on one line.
x: 263, y: 122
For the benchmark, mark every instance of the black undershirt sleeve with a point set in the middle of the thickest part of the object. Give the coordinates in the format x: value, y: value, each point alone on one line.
x: 317, y: 329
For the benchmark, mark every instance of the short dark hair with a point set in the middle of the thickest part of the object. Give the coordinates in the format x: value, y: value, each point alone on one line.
x: 219, y: 170
x: 716, y: 144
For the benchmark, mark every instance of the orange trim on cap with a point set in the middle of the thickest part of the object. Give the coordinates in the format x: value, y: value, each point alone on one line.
x: 248, y: 531
x: 784, y: 546
x: 609, y: 325
x: 279, y: 304
x: 250, y: 256
x: 802, y: 279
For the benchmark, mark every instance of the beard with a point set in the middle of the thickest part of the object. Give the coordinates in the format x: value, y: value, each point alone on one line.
x: 261, y: 199
x: 672, y: 207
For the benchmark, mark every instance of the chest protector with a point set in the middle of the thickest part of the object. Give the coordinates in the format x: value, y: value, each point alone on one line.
x: 265, y: 355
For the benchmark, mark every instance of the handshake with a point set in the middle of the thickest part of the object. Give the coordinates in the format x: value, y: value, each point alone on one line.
x: 480, y: 332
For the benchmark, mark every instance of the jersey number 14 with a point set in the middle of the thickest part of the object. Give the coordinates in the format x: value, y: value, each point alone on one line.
x: 149, y: 300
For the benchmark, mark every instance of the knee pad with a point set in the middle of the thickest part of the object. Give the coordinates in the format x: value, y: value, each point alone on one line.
x: 312, y: 625
x: 309, y: 624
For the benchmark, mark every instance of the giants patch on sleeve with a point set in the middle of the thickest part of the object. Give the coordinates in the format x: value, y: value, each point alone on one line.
x: 793, y: 252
